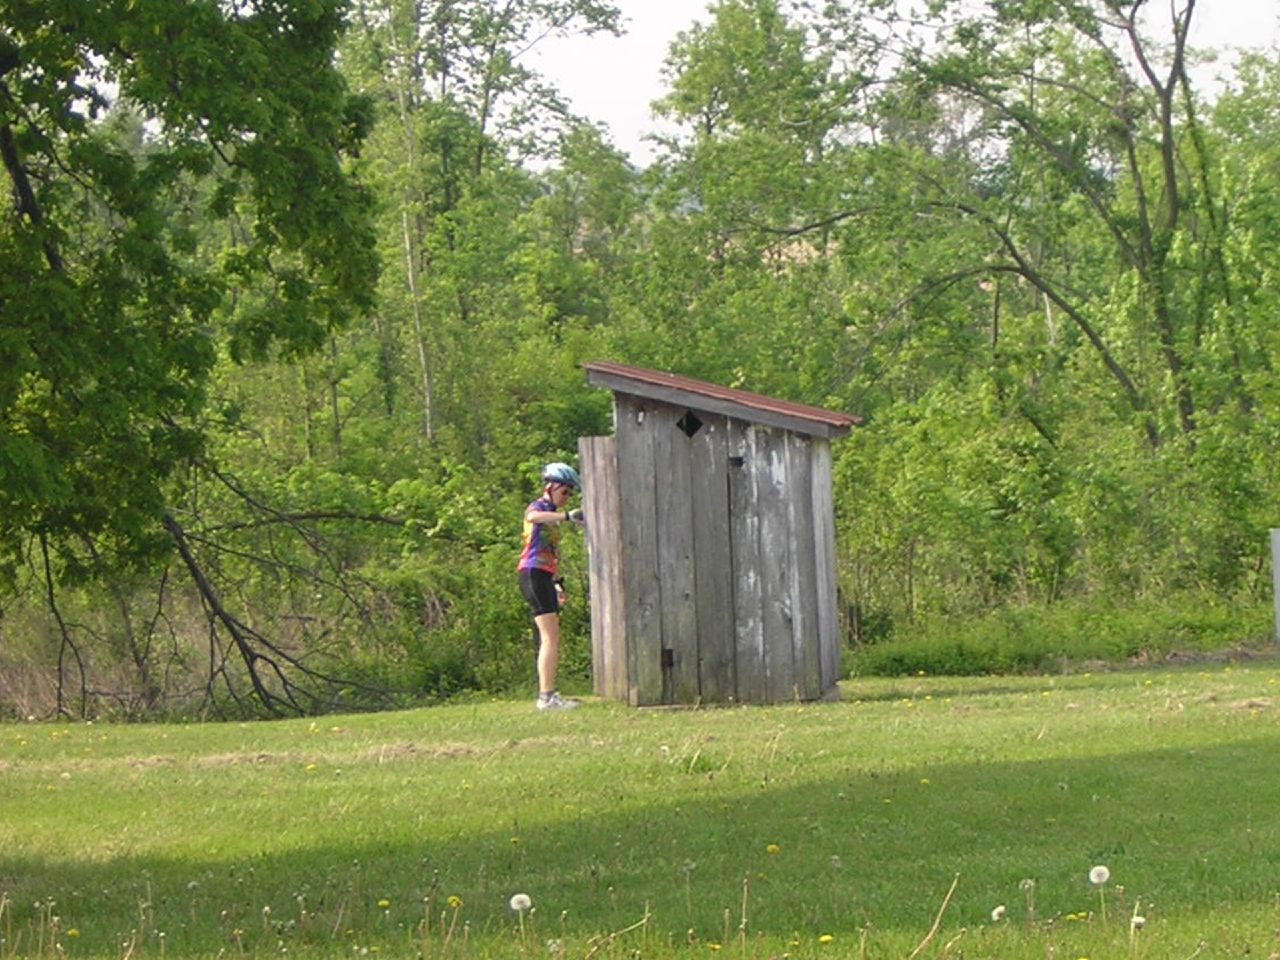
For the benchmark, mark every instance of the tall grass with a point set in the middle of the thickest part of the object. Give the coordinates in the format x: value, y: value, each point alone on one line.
x: 892, y: 824
x: 1041, y: 639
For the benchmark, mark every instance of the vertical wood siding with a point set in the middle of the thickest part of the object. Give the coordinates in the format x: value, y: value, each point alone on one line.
x: 745, y: 562
x: 713, y: 561
x: 679, y: 613
x: 639, y: 559
x: 598, y: 458
x: 824, y: 545
x: 717, y: 556
x: 776, y: 563
x: 803, y: 584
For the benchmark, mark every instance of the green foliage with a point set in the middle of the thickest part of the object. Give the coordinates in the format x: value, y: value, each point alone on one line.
x: 115, y: 308
x: 1043, y: 279
x: 1071, y: 636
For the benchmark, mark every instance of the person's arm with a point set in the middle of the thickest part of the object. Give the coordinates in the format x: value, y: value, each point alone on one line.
x: 554, y: 516
x: 546, y: 516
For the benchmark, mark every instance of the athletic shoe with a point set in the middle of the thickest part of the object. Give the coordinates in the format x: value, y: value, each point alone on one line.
x: 555, y: 702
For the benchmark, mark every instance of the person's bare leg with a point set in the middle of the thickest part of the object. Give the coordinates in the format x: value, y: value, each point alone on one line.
x: 548, y: 625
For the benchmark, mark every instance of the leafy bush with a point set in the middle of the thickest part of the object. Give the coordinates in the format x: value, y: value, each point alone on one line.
x: 1048, y: 638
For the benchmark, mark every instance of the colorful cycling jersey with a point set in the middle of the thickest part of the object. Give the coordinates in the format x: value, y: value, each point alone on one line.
x: 541, y: 540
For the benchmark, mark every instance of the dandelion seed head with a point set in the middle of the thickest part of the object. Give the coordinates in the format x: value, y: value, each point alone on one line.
x: 1027, y: 885
x: 997, y: 914
x: 1099, y: 875
x: 1138, y: 922
x: 520, y: 902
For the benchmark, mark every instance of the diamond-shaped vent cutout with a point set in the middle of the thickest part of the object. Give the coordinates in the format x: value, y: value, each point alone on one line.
x: 689, y: 423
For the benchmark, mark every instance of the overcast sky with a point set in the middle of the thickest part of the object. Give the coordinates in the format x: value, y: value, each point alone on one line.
x: 614, y: 79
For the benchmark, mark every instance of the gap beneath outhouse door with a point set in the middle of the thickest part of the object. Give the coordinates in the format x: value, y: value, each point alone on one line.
x: 689, y: 423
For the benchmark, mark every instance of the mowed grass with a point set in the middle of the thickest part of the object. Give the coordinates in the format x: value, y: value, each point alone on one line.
x: 845, y: 829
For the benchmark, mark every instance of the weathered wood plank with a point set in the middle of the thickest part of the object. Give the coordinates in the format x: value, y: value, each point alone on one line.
x: 772, y: 501
x: 678, y: 609
x: 744, y: 535
x: 1275, y: 577
x: 824, y: 537
x: 639, y: 549
x: 804, y: 573
x: 600, y: 501
x: 713, y: 561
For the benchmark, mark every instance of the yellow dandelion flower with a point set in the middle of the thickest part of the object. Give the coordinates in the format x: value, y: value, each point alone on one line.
x: 311, y: 767
x: 515, y: 841
x: 73, y: 933
x: 455, y: 902
x: 826, y: 938
x: 713, y: 947
x: 772, y: 848
x: 384, y: 903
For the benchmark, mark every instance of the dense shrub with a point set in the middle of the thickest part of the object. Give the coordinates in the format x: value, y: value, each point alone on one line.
x: 1064, y: 636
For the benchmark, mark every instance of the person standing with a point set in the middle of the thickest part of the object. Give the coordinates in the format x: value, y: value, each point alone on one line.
x: 537, y: 572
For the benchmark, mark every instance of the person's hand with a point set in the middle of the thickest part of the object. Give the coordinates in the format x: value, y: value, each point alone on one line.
x: 576, y: 516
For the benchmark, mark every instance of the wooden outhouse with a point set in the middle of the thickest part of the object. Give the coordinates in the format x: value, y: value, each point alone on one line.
x: 711, y: 543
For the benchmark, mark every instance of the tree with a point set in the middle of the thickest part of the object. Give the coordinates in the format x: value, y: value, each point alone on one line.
x: 458, y: 109
x: 117, y: 293
x: 1023, y: 260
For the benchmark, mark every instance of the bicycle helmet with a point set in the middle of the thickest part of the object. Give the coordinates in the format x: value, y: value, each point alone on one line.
x: 560, y: 473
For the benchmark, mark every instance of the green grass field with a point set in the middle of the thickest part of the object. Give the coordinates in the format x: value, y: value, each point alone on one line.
x: 844, y: 829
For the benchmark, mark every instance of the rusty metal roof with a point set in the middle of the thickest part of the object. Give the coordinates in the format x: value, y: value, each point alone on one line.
x: 673, y: 388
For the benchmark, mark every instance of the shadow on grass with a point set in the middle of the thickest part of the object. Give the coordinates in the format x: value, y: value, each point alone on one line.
x: 1185, y: 830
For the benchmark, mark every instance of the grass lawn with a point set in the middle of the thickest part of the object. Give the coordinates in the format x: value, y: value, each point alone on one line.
x: 844, y: 829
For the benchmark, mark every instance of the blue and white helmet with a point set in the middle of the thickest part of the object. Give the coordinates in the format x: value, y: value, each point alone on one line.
x: 560, y: 473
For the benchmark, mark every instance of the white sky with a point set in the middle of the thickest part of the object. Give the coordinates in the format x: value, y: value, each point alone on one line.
x: 614, y: 79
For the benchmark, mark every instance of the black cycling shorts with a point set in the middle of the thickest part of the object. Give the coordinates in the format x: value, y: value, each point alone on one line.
x: 539, y: 588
